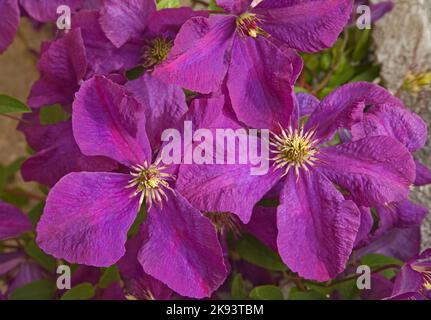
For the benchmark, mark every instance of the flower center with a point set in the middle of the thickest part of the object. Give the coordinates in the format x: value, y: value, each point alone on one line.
x: 424, y: 268
x: 224, y: 222
x: 247, y: 25
x: 294, y: 149
x: 151, y: 182
x: 156, y: 51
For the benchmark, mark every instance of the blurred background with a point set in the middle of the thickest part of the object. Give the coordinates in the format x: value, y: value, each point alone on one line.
x: 399, y: 45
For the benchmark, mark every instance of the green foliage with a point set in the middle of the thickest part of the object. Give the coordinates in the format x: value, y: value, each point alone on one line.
x: 35, y: 213
x: 163, y: 4
x: 138, y: 220
x: 135, y: 73
x: 311, y: 294
x: 238, y: 290
x: 266, y: 292
x: 40, y: 257
x: 109, y: 276
x: 255, y: 252
x: 375, y: 260
x: 53, y: 114
x: 83, y: 291
x: 37, y: 290
x: 12, y: 105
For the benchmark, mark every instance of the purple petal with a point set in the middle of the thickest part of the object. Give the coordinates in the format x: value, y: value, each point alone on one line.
x: 108, y: 121
x: 307, y: 103
x: 46, y: 10
x: 126, y: 19
x: 403, y: 214
x: 234, y: 6
x: 62, y: 66
x: 380, y: 288
x: 317, y: 227
x: 12, y: 221
x: 182, y: 250
x: 10, y: 260
x: 86, y: 218
x: 138, y: 283
x: 375, y: 170
x: 168, y: 22
x: 305, y: 25
x: 28, y: 273
x: 402, y: 244
x: 344, y: 107
x: 260, y: 82
x: 423, y: 175
x: 263, y: 225
x: 103, y: 57
x: 164, y: 105
x: 59, y: 155
x: 199, y: 59
x: 9, y: 23
x: 362, y: 238
x: 224, y: 188
x: 393, y: 121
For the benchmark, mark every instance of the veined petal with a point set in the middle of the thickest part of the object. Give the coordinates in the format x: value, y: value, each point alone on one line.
x: 260, y: 82
x: 345, y: 106
x: 12, y: 221
x: 423, y: 174
x: 234, y: 6
x: 87, y: 217
x: 200, y: 57
x: 9, y: 23
x: 317, y: 227
x: 375, y: 170
x: 46, y: 10
x: 164, y: 104
x: 308, y: 25
x: 108, y: 121
x: 126, y: 19
x: 182, y: 250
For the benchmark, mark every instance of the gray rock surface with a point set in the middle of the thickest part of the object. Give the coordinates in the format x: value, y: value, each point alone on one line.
x: 403, y: 46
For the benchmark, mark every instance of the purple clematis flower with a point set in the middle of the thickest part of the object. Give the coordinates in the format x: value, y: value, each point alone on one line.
x: 87, y: 215
x: 249, y: 50
x: 317, y: 225
x: 57, y: 153
x: 41, y: 11
x: 12, y: 221
x: 414, y: 278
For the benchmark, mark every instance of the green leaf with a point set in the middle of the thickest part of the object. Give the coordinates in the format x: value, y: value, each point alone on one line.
x: 362, y: 45
x: 36, y: 213
x: 164, y: 4
x: 214, y: 7
x: 53, y: 114
x: 238, y: 291
x: 255, y: 252
x: 8, y: 172
x: 138, y: 220
x: 83, y: 291
x: 109, y: 276
x: 40, y: 257
x: 12, y: 105
x: 135, y: 73
x: 37, y: 290
x: 295, y: 294
x: 267, y: 292
x: 375, y: 260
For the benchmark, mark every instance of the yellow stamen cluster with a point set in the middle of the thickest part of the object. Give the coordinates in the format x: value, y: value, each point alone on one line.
x: 150, y: 182
x: 417, y: 82
x: 156, y: 52
x: 425, y: 271
x: 224, y: 222
x: 294, y: 149
x: 247, y: 25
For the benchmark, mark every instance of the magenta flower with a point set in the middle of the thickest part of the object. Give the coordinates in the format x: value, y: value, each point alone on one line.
x: 88, y: 214
x: 248, y: 49
x: 414, y: 278
x: 12, y: 221
x: 317, y: 225
x: 57, y: 153
x: 41, y: 11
